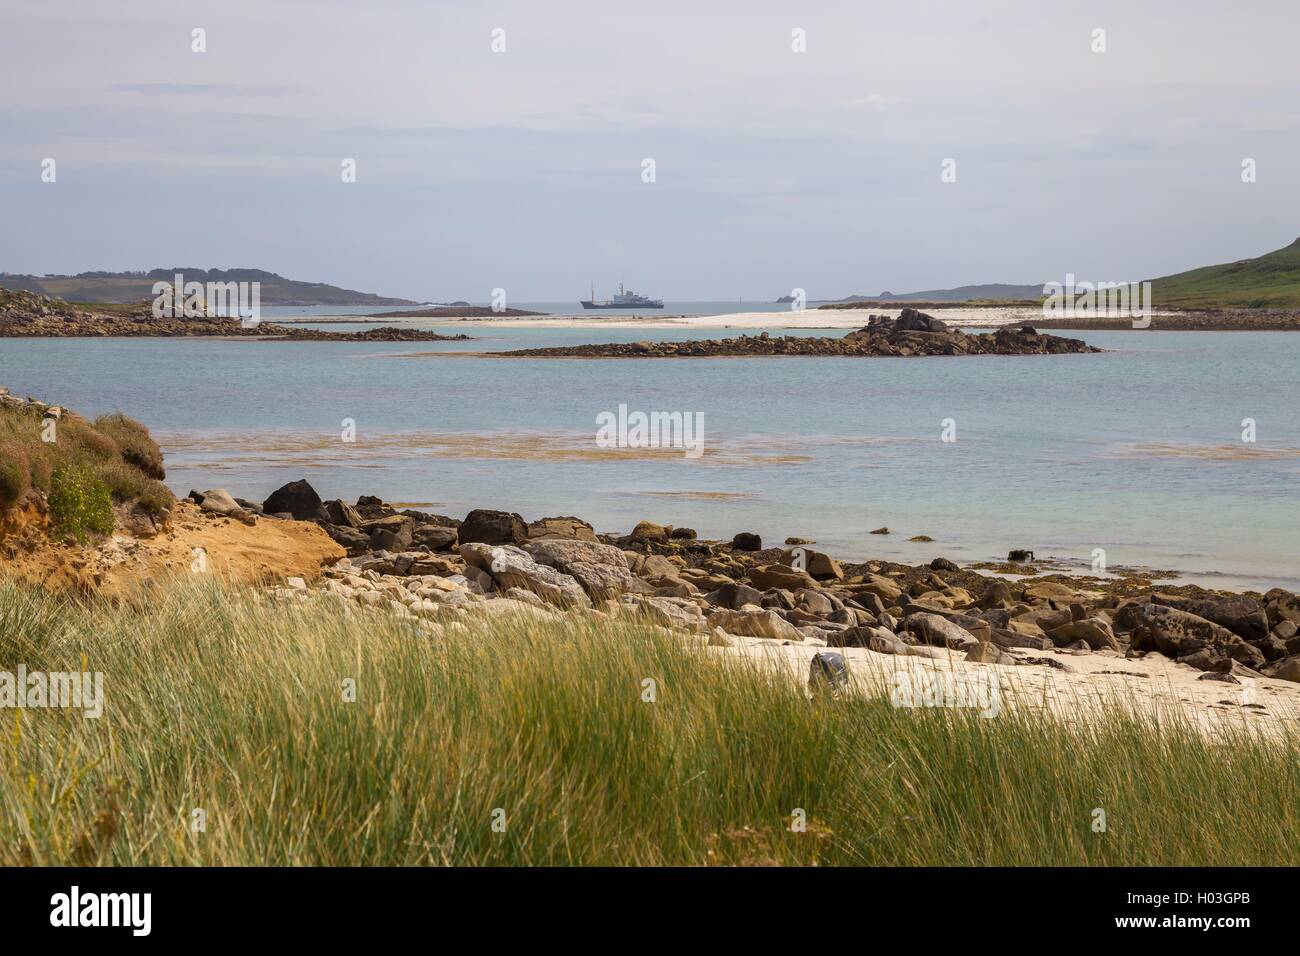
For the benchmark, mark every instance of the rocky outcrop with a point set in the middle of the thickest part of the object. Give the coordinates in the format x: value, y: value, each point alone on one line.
x: 912, y: 334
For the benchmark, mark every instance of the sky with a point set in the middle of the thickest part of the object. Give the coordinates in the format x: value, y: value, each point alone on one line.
x: 523, y: 168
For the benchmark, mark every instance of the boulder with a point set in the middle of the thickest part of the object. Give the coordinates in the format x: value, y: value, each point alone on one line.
x: 560, y: 553
x: 747, y: 541
x: 511, y: 567
x: 341, y: 513
x: 603, y: 582
x: 780, y: 576
x: 566, y: 528
x: 734, y: 596
x: 1096, y: 632
x: 940, y: 632
x: 1173, y: 632
x: 484, y: 526
x: 884, y: 588
x: 218, y: 501
x: 910, y: 320
x: 1242, y: 615
x: 765, y: 623
x: 986, y: 652
x: 1288, y: 670
x: 435, y: 537
x: 297, y: 498
x: 649, y: 532
x: 817, y: 563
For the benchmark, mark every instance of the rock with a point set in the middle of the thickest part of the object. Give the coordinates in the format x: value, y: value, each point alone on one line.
x: 682, y: 534
x: 560, y: 553
x: 986, y: 652
x: 658, y: 570
x: 940, y: 632
x: 1018, y: 554
x: 1173, y: 632
x: 391, y: 536
x: 353, y: 540
x: 435, y: 537
x: 997, y: 595
x: 1288, y: 670
x: 1242, y: 615
x: 511, y: 567
x: 943, y: 564
x: 884, y: 588
x: 482, y: 526
x: 719, y: 638
x: 910, y: 320
x: 747, y: 541
x: 668, y: 612
x: 880, y: 531
x: 297, y: 498
x: 1049, y: 591
x: 648, y: 531
x: 814, y: 602
x: 816, y: 563
x: 734, y: 596
x: 765, y: 623
x: 1282, y: 606
x: 566, y: 528
x: 780, y: 576
x: 828, y: 674
x: 1096, y: 632
x: 603, y: 581
x: 1285, y: 630
x: 341, y: 513
x: 218, y: 501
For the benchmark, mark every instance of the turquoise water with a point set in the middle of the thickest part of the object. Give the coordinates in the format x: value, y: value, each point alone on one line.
x: 1137, y: 451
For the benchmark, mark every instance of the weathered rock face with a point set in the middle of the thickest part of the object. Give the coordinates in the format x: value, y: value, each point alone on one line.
x: 764, y: 623
x: 341, y: 513
x: 512, y: 567
x: 567, y: 527
x: 1242, y: 615
x: 493, y: 527
x: 780, y: 576
x: 560, y: 553
x: 818, y: 564
x: 297, y: 498
x: 938, y: 631
x: 1179, y: 634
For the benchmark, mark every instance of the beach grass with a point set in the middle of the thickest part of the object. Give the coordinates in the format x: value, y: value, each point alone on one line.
x: 520, y: 741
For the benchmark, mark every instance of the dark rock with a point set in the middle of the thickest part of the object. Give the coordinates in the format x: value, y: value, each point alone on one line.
x: 734, y: 596
x: 747, y: 541
x: 493, y: 527
x: 1018, y: 554
x: 682, y: 534
x: 342, y: 513
x: 943, y: 564
x: 1242, y: 615
x: 435, y: 537
x: 297, y: 498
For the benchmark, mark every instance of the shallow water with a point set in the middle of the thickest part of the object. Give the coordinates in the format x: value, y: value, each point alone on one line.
x: 1137, y: 451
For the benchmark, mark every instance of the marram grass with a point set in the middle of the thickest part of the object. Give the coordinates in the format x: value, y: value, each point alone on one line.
x: 219, y: 702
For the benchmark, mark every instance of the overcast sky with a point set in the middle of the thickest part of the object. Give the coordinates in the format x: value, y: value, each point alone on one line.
x: 523, y: 169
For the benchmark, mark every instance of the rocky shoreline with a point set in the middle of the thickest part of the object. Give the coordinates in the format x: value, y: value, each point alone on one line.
x: 913, y: 333
x: 28, y: 315
x: 440, y: 568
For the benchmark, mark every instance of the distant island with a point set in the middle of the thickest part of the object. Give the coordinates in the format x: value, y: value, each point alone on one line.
x: 128, y: 287
x: 1270, y: 281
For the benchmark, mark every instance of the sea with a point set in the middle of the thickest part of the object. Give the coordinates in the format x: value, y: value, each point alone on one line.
x: 1172, y: 451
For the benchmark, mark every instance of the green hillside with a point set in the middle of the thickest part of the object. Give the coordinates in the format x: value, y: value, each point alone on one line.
x: 1267, y: 281
x: 122, y: 287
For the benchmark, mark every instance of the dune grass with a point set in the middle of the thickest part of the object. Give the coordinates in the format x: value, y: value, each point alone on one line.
x: 83, y: 467
x: 235, y: 706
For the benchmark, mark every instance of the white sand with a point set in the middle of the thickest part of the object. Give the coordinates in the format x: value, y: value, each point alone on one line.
x: 1165, y: 687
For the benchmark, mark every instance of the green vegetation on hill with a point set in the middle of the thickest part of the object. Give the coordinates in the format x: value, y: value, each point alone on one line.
x: 518, y: 741
x: 83, y: 468
x: 1268, y: 281
x: 126, y: 287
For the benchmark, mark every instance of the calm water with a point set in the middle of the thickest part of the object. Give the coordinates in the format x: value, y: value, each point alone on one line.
x: 1137, y: 451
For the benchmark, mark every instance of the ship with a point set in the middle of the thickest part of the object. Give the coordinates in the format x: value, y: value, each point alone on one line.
x: 626, y: 299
